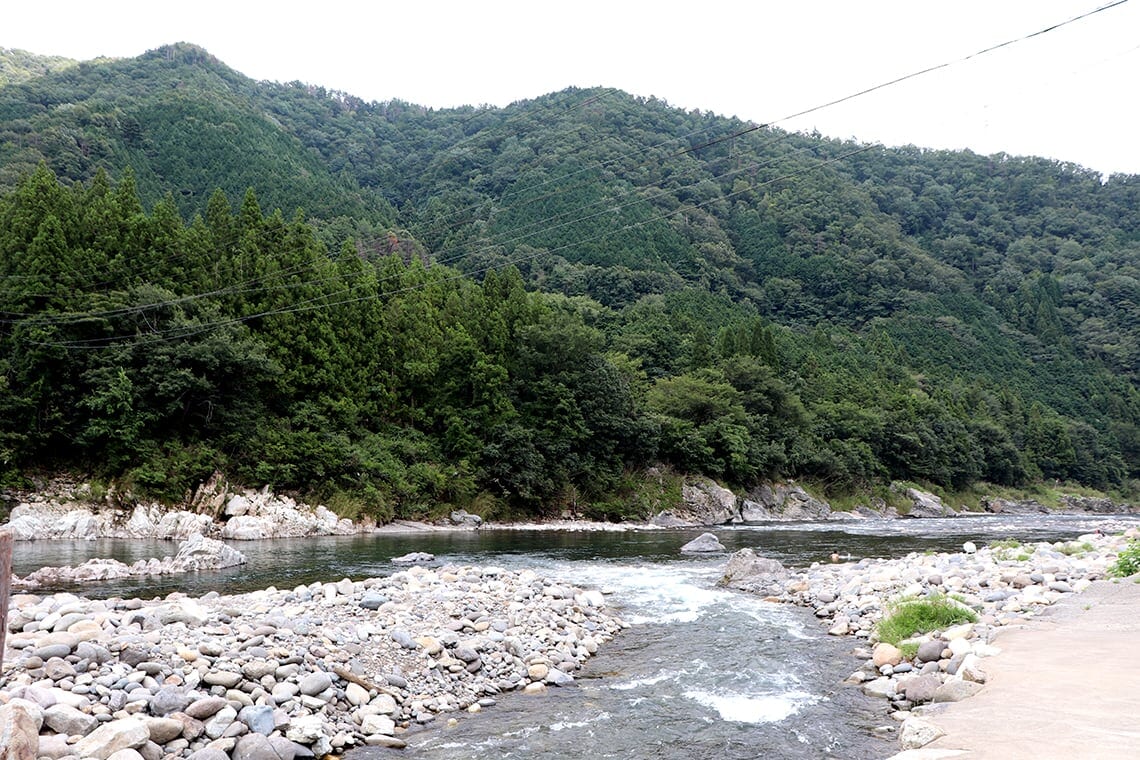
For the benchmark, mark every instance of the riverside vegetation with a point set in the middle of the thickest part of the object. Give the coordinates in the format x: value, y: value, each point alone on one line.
x: 571, y: 303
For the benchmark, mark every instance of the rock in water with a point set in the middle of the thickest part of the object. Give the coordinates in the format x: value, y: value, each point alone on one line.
x: 195, y: 553
x: 704, y: 543
x: 747, y: 572
x: 201, y: 553
x: 412, y: 558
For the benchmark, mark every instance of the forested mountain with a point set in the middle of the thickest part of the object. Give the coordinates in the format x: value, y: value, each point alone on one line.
x: 544, y: 305
x: 20, y: 65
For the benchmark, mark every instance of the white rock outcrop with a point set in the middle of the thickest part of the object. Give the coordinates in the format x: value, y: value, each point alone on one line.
x: 219, y: 513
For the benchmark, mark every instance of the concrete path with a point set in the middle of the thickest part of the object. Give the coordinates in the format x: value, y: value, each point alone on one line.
x: 1066, y: 685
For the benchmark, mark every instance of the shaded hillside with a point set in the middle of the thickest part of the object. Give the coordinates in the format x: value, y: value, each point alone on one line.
x: 610, y: 283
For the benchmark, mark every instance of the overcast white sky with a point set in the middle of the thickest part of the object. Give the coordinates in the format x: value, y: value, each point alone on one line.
x: 1069, y: 94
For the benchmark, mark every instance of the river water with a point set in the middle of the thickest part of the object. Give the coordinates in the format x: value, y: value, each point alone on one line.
x: 701, y: 673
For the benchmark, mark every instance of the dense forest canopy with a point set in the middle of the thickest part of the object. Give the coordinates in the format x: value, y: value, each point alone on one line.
x: 567, y: 302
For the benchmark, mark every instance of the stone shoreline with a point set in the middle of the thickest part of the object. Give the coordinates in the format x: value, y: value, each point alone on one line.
x: 1003, y: 584
x: 286, y: 674
x: 70, y: 511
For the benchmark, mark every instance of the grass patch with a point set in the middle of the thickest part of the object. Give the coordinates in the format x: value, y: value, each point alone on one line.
x: 1006, y: 549
x: 909, y: 616
x: 909, y: 649
x: 1073, y: 548
x: 1127, y: 562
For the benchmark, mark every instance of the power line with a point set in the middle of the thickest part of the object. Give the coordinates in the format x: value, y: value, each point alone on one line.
x: 946, y: 64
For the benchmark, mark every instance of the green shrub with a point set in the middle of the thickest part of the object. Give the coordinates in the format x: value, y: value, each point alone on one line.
x: 908, y: 616
x: 1073, y: 548
x: 366, y: 501
x: 1003, y: 550
x: 1127, y: 562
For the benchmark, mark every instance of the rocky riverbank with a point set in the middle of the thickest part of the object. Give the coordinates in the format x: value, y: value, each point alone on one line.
x: 63, y: 509
x: 284, y: 674
x: 246, y: 515
x: 1003, y: 584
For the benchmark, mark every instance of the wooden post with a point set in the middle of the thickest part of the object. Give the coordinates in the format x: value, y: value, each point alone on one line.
x: 5, y: 588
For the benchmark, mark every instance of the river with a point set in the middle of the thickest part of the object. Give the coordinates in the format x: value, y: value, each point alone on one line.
x: 701, y: 673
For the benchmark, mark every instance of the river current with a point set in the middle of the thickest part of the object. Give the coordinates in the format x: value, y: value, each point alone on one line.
x: 701, y: 673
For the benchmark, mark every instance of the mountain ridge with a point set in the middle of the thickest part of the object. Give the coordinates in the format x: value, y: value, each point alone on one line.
x: 772, y: 304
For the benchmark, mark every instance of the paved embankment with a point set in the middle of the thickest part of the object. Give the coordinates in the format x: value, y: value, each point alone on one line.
x: 1066, y: 685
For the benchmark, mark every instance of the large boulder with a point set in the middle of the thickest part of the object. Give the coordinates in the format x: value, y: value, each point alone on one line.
x: 126, y: 733
x: 916, y: 733
x: 465, y: 519
x: 925, y: 504
x: 920, y: 688
x: 201, y: 553
x: 152, y: 521
x: 412, y: 558
x: 703, y: 502
x: 1094, y: 505
x: 1001, y: 506
x: 706, y: 543
x: 745, y: 571
x: 20, y: 722
x: 955, y: 690
x: 246, y: 528
x: 669, y: 519
x: 237, y: 505
x: 28, y: 522
x: 779, y: 501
